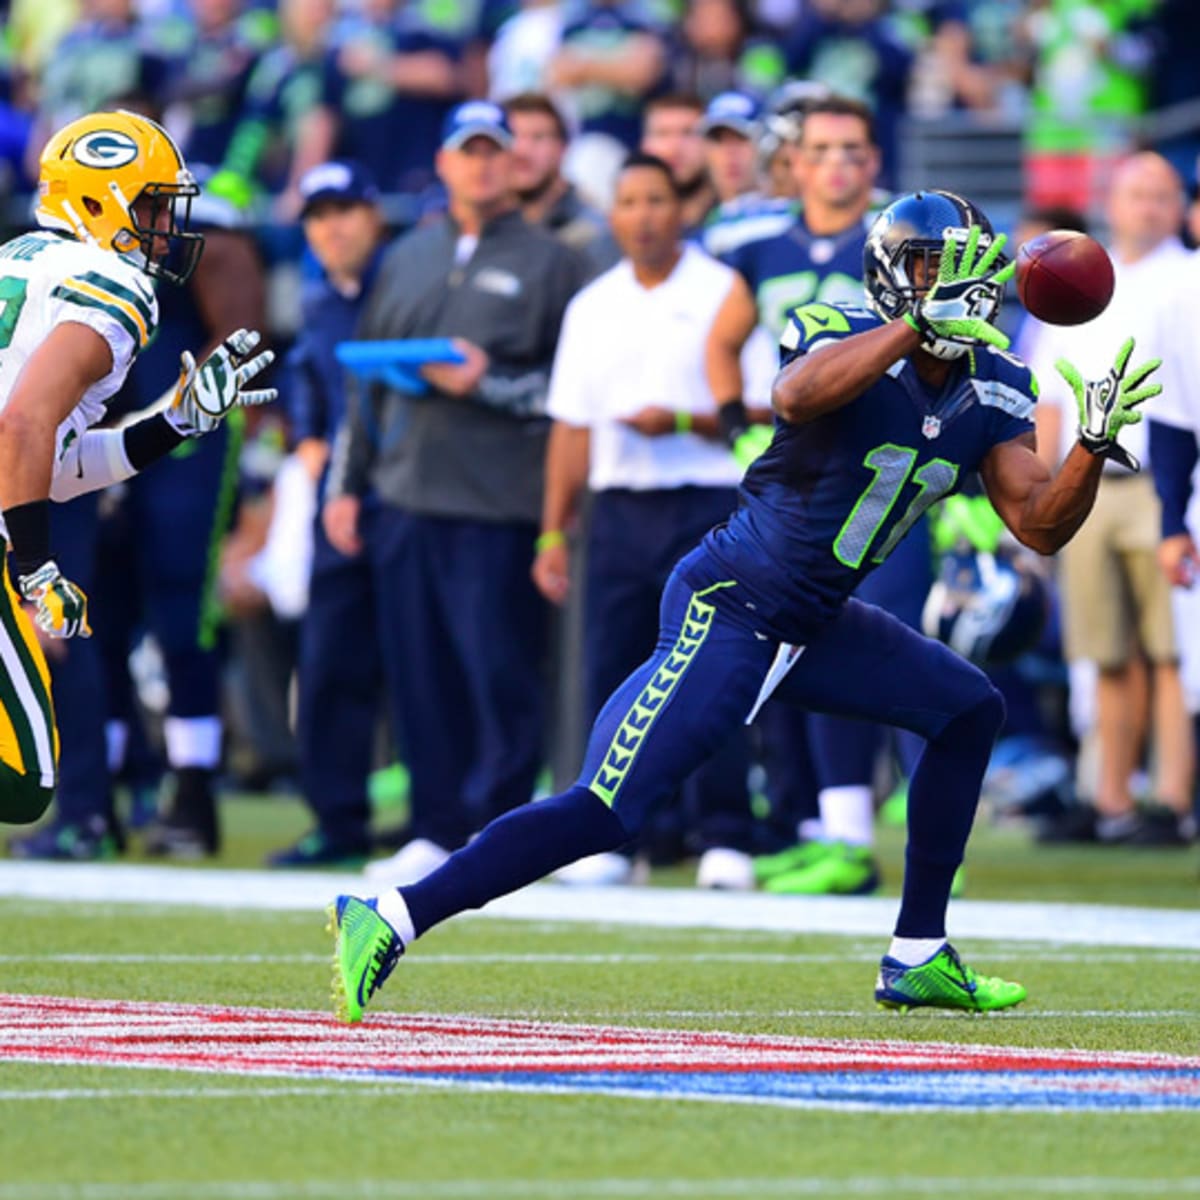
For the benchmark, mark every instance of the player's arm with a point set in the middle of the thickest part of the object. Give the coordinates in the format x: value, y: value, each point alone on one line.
x: 731, y: 330
x: 817, y: 383
x: 1174, y: 453
x: 568, y: 455
x: 814, y: 384
x: 1042, y: 509
x: 735, y: 321
x: 72, y: 359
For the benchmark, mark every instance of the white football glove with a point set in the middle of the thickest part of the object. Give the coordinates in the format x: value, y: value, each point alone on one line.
x: 61, y: 605
x: 205, y: 395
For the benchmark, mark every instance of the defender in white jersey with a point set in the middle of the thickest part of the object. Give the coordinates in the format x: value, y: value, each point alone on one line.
x: 76, y: 306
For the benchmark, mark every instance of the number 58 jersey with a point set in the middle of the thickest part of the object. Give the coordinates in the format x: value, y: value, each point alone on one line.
x: 829, y: 499
x: 47, y: 279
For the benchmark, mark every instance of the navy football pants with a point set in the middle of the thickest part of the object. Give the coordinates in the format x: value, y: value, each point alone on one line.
x: 694, y: 692
x: 705, y: 674
x: 634, y: 541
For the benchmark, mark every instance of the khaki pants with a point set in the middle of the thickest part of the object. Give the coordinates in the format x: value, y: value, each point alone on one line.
x: 1115, y: 598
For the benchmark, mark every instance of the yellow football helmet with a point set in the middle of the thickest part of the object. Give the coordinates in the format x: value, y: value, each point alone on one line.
x: 94, y: 170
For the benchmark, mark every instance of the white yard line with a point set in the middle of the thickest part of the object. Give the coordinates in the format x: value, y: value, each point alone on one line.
x: 618, y: 1189
x: 1064, y: 924
x: 767, y: 958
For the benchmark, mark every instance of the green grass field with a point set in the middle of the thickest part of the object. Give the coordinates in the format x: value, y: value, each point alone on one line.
x: 95, y: 1133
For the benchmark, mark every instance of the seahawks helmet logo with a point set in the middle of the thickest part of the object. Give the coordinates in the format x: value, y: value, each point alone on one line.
x: 105, y: 149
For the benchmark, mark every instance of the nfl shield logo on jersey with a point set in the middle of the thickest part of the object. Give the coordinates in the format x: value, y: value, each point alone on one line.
x: 931, y: 427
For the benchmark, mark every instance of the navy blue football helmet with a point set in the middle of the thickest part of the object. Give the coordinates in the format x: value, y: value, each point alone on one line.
x: 917, y: 225
x: 991, y: 608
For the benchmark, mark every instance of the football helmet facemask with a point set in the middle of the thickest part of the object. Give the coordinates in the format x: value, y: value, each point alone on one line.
x: 93, y: 174
x: 915, y: 227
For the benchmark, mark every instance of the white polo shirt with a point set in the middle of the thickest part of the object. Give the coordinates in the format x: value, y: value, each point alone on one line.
x: 1179, y: 404
x: 1138, y: 309
x: 623, y: 347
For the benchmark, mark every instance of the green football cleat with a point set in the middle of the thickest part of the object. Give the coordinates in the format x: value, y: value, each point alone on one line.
x: 365, y: 952
x: 943, y: 981
x: 794, y: 858
x: 842, y: 870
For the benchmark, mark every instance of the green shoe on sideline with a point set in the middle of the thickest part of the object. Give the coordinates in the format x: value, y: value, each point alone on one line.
x: 843, y: 870
x: 794, y: 858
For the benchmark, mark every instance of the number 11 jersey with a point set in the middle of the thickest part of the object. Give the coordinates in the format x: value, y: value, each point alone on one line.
x: 829, y: 499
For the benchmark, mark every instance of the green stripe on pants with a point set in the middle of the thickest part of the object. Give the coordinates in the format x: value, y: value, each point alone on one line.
x: 653, y: 698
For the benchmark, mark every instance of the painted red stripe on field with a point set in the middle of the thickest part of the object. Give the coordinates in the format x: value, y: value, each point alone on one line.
x: 274, y: 1041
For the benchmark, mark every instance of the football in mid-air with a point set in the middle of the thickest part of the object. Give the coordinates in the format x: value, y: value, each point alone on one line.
x: 1064, y: 277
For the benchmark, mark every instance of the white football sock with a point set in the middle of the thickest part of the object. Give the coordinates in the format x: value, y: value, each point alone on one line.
x: 193, y: 741
x: 914, y: 951
x: 391, y: 907
x: 848, y: 814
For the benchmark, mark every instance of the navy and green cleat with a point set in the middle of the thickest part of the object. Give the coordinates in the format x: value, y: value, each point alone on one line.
x: 943, y: 981
x: 365, y: 952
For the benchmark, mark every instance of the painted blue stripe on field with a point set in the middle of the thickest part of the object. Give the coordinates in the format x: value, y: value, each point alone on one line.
x: 1095, y: 1091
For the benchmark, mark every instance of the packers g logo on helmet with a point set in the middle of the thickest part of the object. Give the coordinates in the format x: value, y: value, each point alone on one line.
x: 105, y: 148
x: 93, y: 173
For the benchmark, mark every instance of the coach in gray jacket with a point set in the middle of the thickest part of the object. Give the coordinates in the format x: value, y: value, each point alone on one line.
x: 458, y: 474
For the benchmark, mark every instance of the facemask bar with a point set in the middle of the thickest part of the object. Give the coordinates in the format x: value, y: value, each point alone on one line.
x: 176, y: 260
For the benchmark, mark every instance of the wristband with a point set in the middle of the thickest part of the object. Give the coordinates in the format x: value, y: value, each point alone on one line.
x: 549, y: 540
x: 683, y: 422
x: 147, y: 441
x: 732, y: 419
x: 29, y: 534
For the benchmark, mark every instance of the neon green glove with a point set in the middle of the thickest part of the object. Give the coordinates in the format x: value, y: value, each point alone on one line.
x: 967, y: 292
x: 749, y: 445
x: 1107, y: 405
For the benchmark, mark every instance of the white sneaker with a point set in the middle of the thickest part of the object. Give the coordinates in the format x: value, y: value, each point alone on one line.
x: 727, y: 869
x: 597, y: 870
x: 409, y: 864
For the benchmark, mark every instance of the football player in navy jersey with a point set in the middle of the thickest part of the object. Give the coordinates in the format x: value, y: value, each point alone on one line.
x: 835, y: 161
x: 878, y: 414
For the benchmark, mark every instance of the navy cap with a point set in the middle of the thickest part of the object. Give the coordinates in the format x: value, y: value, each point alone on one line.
x: 348, y: 182
x: 476, y: 118
x: 732, y: 110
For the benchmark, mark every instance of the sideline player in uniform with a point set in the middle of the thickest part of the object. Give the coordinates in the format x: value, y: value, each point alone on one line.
x: 878, y: 414
x: 835, y: 162
x: 76, y: 306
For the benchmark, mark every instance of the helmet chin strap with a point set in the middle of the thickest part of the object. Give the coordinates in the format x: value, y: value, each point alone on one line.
x: 946, y: 351
x: 78, y: 228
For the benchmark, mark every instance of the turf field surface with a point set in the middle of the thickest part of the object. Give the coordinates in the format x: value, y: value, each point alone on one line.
x: 79, y: 1131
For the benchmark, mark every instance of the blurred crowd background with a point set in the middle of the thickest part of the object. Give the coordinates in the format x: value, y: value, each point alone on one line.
x: 201, y: 573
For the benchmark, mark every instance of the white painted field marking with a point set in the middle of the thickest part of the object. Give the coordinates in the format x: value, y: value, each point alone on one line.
x: 766, y: 958
x: 1065, y: 924
x: 519, y: 1189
